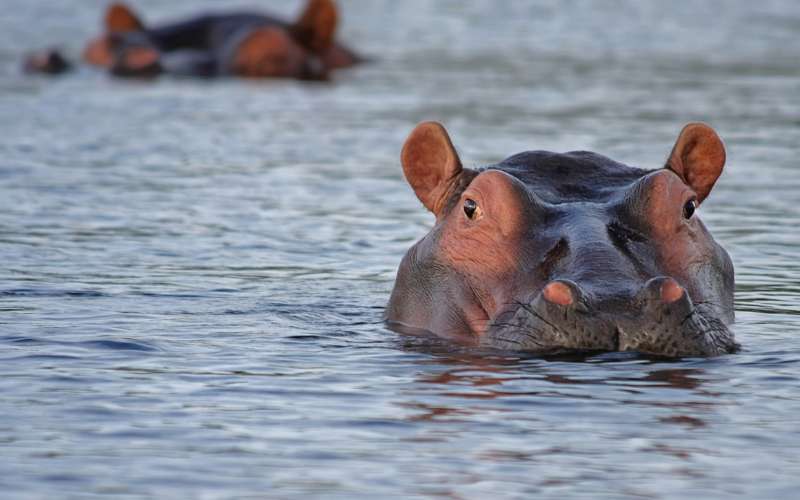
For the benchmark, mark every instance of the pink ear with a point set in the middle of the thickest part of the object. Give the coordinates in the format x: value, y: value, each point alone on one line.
x: 316, y: 27
x: 430, y: 164
x: 121, y: 19
x: 698, y: 158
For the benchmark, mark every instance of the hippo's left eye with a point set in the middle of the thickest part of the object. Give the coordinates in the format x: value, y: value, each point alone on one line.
x: 689, y: 208
x: 471, y: 209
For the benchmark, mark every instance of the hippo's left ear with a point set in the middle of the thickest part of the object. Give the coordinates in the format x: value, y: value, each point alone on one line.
x: 120, y: 18
x: 698, y: 158
x: 316, y: 27
x: 430, y: 164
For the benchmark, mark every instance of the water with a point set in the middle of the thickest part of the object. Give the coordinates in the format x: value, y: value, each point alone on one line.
x: 193, y: 273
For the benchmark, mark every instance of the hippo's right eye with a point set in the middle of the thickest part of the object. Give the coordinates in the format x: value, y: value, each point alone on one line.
x: 471, y: 209
x: 689, y: 208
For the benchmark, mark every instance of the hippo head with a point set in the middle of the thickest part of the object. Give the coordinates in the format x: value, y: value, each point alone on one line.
x: 551, y: 252
x: 118, y: 21
x: 124, y: 48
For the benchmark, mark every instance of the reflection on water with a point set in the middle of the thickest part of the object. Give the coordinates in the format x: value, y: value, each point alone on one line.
x: 521, y: 413
x: 194, y: 273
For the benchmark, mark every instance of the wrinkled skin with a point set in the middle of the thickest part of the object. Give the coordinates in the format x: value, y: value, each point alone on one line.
x: 243, y: 44
x: 550, y: 252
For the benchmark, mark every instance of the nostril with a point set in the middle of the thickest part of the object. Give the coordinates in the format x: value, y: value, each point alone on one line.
x: 558, y: 293
x: 671, y: 291
x: 664, y: 296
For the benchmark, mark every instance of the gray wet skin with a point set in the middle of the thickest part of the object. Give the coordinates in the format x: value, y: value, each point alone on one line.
x: 549, y: 252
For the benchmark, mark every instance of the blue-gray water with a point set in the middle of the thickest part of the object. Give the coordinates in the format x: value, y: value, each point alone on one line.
x: 192, y: 273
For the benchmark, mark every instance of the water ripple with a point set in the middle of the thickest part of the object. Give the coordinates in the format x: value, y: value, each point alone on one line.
x: 194, y: 272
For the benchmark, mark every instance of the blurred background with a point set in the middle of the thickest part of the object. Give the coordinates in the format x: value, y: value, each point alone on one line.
x: 193, y: 272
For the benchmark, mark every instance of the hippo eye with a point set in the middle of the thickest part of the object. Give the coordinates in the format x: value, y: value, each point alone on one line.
x: 689, y: 208
x: 470, y: 208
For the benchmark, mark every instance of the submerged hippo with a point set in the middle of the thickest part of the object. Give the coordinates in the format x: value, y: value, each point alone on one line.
x: 241, y: 44
x: 552, y: 252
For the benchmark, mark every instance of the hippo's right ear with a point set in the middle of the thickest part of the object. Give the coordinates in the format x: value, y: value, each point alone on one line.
x: 430, y: 164
x: 121, y: 19
x: 315, y: 29
x: 698, y: 158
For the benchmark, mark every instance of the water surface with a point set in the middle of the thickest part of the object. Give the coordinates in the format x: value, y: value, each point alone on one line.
x: 194, y: 272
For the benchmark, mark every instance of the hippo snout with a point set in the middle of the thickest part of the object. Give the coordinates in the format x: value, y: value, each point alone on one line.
x: 659, y: 318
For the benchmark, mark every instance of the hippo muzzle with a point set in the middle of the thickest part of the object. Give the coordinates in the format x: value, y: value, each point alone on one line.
x: 659, y: 319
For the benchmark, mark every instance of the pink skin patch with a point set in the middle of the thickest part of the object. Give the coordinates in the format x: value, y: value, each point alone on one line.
x: 558, y: 293
x: 268, y: 52
x: 98, y: 52
x: 140, y: 58
x: 671, y: 291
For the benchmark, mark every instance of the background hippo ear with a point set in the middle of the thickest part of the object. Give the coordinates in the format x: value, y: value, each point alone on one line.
x: 121, y: 19
x: 430, y: 164
x: 316, y: 27
x: 698, y: 158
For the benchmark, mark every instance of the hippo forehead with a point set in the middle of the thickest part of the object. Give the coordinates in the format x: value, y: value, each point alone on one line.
x: 577, y: 176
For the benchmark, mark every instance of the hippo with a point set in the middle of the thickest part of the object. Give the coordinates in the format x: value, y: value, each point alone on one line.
x: 246, y: 44
x: 49, y: 61
x: 563, y: 253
